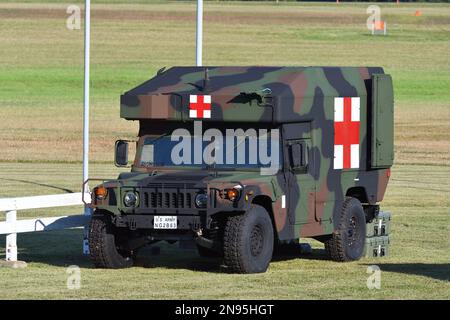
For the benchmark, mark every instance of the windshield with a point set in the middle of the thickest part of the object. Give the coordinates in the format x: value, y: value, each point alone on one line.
x: 231, y: 150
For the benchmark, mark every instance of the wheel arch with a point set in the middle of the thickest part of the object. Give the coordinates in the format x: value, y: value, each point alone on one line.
x: 266, y: 202
x: 359, y: 193
x: 97, y: 213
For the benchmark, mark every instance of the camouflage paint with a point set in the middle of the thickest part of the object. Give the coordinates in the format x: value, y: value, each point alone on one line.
x: 275, y: 96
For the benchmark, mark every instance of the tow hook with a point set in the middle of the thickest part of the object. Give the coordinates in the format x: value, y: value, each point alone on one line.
x: 202, y: 241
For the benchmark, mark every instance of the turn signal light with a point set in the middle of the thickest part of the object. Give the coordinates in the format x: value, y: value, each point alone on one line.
x: 232, y: 194
x: 100, y: 192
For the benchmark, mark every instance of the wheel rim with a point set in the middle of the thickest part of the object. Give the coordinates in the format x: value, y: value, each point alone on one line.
x: 256, y: 240
x: 352, y: 232
x: 125, y: 253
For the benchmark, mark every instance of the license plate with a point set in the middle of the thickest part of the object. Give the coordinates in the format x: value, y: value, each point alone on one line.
x: 165, y: 222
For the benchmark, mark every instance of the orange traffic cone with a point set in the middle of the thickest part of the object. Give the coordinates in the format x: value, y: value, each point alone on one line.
x: 418, y: 13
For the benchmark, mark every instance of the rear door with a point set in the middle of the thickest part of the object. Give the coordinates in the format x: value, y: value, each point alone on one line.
x: 382, y: 121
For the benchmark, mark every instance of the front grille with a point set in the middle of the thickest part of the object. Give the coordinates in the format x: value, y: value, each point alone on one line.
x: 168, y: 196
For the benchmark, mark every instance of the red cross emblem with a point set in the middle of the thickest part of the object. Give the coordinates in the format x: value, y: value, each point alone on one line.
x: 199, y: 106
x: 346, y: 132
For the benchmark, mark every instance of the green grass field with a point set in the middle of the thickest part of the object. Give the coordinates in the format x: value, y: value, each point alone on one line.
x: 41, y: 73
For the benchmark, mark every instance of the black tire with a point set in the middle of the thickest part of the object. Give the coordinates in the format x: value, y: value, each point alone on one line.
x: 348, y: 240
x: 207, y: 253
x: 106, y: 245
x: 249, y: 241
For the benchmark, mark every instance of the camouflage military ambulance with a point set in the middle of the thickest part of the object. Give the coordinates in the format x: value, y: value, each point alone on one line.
x: 241, y: 160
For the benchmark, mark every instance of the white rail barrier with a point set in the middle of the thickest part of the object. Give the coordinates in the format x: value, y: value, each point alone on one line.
x: 11, y: 227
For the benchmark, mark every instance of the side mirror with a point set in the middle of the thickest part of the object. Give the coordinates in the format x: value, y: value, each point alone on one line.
x: 298, y: 156
x: 121, y: 153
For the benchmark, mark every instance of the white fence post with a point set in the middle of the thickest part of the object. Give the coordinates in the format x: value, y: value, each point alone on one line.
x: 87, y: 212
x: 11, y: 239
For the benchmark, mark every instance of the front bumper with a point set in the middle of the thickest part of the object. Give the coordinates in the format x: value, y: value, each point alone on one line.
x: 184, y: 222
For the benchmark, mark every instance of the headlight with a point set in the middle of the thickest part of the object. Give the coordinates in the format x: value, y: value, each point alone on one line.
x: 201, y: 200
x: 130, y: 199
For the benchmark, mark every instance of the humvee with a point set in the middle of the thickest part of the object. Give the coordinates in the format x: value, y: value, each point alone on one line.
x: 206, y: 172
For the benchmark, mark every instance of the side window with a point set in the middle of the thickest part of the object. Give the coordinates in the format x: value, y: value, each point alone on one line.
x: 298, y: 155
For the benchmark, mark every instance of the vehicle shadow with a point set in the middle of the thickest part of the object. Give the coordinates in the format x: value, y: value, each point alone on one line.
x: 170, y: 257
x: 63, y: 248
x: 60, y: 248
x: 291, y: 252
x: 174, y: 258
x: 438, y: 271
